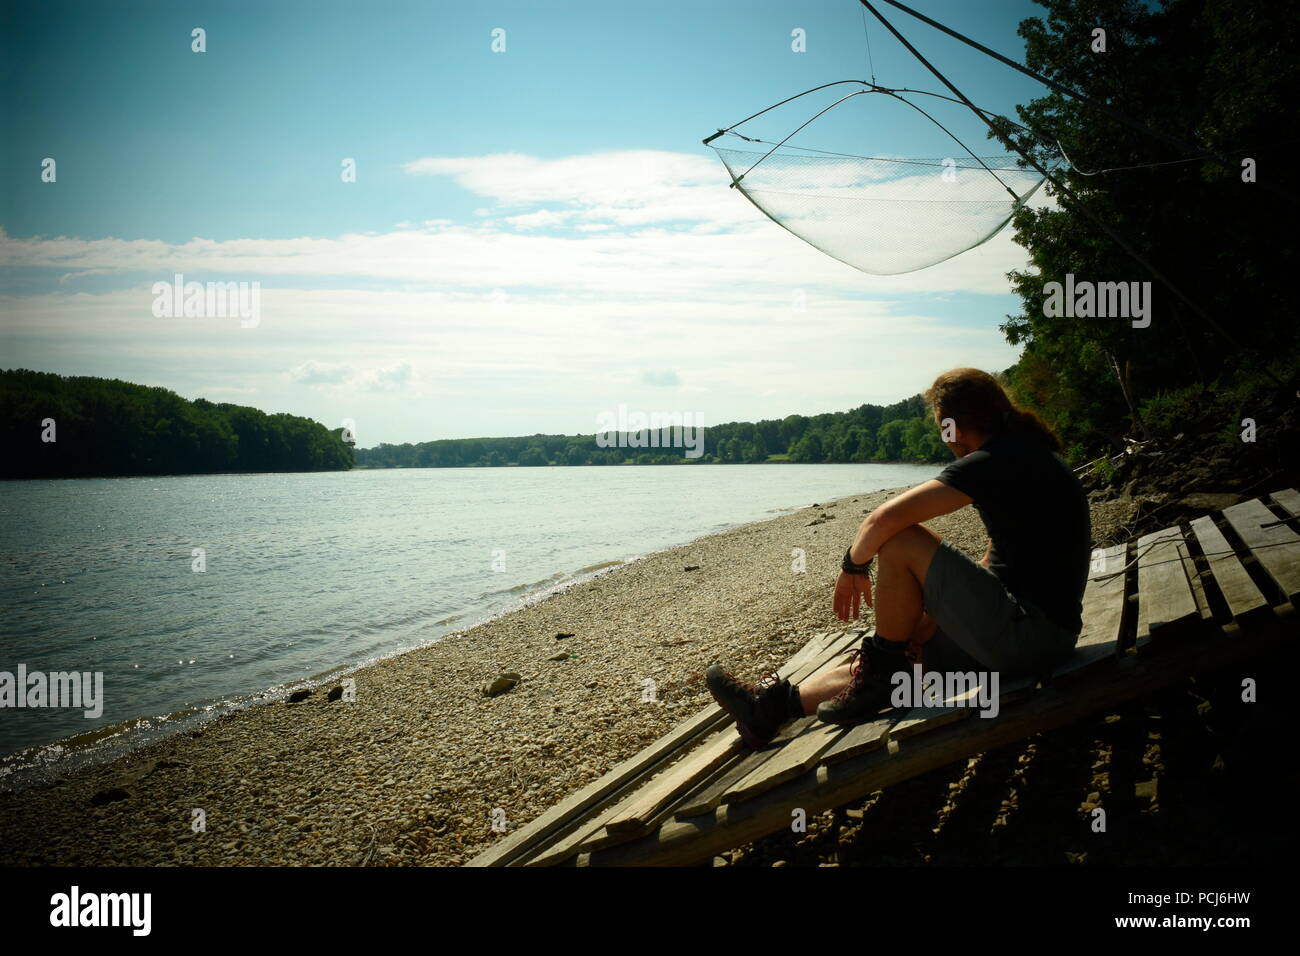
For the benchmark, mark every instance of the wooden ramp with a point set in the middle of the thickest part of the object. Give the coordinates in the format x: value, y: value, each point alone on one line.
x: 1156, y: 610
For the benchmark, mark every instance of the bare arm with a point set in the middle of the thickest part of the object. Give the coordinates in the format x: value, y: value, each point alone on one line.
x: 914, y: 506
x: 988, y: 555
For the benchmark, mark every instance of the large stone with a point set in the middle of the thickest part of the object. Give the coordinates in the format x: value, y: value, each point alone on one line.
x: 501, y: 684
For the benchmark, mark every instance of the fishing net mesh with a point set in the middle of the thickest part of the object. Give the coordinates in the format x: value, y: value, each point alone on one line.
x: 883, y: 216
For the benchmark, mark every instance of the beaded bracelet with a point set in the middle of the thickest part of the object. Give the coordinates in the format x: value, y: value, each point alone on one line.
x: 849, y: 566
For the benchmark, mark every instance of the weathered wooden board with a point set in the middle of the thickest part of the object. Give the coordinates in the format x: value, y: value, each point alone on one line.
x: 1196, y: 579
x: 704, y: 798
x: 1241, y: 593
x: 865, y: 737
x: 1289, y: 499
x: 794, y: 759
x: 1166, y: 605
x: 1276, y: 548
x: 1014, y: 691
x: 1104, y: 606
x: 637, y: 811
x: 647, y: 801
x: 708, y: 794
x: 959, y: 705
x: 921, y: 719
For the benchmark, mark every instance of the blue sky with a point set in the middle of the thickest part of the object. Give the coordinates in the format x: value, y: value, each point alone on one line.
x: 533, y: 236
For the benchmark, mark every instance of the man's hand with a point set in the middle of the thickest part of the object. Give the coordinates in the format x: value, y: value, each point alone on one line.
x: 850, y: 590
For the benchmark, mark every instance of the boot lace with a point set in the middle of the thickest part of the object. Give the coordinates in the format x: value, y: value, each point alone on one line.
x: 764, y: 683
x: 860, y: 671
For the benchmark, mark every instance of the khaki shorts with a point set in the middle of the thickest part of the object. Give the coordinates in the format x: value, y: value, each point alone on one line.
x: 983, y: 626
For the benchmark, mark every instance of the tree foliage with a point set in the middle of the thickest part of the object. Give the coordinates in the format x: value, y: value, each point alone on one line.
x: 105, y: 427
x: 851, y: 436
x: 1218, y: 73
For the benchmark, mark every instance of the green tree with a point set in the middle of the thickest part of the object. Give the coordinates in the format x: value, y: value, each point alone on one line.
x: 889, y: 441
x: 1218, y: 72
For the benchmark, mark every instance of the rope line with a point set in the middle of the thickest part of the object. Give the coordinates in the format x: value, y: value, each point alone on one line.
x: 867, y: 35
x: 1191, y: 557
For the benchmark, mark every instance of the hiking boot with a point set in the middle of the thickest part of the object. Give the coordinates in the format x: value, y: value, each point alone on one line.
x: 869, y: 690
x: 759, y: 709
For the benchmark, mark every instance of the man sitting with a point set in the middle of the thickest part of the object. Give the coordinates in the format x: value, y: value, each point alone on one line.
x: 1017, y: 612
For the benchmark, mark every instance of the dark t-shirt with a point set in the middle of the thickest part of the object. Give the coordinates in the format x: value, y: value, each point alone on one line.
x: 1037, y: 516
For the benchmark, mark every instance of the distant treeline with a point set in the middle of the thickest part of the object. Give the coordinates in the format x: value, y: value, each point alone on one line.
x: 902, y: 432
x: 104, y: 427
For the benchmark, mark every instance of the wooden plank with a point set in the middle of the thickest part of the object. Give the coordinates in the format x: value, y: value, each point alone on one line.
x: 651, y: 799
x: 1166, y: 605
x: 716, y: 750
x: 709, y: 794
x: 921, y: 719
x: 636, y: 812
x: 805, y: 751
x: 1104, y: 608
x: 552, y: 822
x: 646, y: 802
x: 876, y: 734
x: 1289, y: 499
x: 1194, y: 579
x: 861, y: 739
x: 1242, y: 594
x: 1276, y: 548
x: 1014, y: 691
x: 959, y: 705
x: 794, y: 759
x: 703, y: 799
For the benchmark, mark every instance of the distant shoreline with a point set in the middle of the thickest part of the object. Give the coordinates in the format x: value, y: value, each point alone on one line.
x: 323, y: 471
x: 693, y: 462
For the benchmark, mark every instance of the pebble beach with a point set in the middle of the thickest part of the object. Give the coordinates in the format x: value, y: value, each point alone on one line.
x: 411, y: 770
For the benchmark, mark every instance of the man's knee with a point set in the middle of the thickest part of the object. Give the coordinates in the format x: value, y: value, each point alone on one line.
x: 914, y: 546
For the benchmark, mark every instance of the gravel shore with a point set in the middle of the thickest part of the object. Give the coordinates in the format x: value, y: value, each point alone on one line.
x: 411, y: 771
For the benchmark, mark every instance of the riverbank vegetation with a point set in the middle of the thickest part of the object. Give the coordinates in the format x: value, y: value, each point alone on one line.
x: 80, y: 427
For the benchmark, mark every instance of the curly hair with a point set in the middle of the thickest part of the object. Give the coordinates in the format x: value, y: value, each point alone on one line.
x: 976, y: 401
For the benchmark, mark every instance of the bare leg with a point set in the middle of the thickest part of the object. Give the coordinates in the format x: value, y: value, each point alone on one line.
x: 899, y: 593
x: 823, y: 687
x: 899, y: 605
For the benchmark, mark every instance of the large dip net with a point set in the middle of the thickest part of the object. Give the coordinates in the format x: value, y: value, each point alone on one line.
x: 882, y: 215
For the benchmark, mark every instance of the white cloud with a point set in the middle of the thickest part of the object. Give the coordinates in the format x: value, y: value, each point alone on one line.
x: 390, y: 379
x: 317, y: 373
